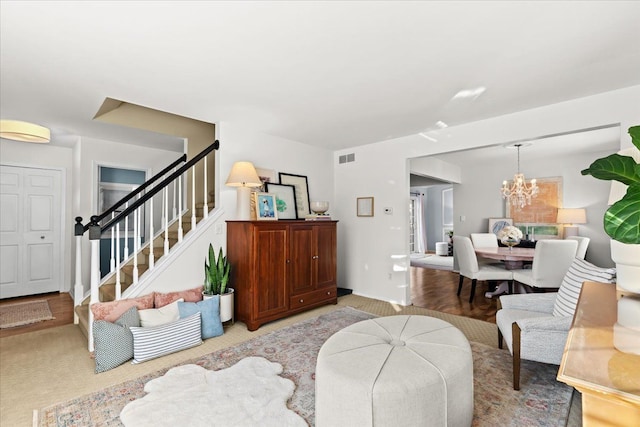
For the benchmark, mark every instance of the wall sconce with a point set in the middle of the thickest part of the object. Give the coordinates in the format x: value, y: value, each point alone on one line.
x: 24, y: 131
x: 570, y: 217
x: 244, y: 176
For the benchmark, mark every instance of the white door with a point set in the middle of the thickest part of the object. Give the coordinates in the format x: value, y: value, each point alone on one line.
x: 30, y: 231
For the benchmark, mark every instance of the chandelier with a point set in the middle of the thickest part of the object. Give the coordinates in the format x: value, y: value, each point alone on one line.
x: 519, y: 193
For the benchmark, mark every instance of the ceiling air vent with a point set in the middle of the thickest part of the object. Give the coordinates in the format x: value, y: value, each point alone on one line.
x: 347, y: 158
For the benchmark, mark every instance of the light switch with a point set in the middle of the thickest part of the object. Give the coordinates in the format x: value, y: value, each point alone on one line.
x: 388, y: 211
x: 463, y: 218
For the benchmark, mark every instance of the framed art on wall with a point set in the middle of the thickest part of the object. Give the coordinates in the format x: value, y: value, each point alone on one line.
x: 364, y: 206
x: 285, y: 199
x: 302, y: 192
x: 265, y: 206
x: 497, y: 224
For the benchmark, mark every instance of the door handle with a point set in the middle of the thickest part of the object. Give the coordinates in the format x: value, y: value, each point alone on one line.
x: 42, y: 237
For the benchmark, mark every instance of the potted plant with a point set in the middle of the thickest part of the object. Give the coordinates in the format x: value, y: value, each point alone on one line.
x: 216, y: 279
x: 622, y: 219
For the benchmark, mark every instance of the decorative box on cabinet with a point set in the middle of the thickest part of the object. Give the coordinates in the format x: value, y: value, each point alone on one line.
x: 279, y: 268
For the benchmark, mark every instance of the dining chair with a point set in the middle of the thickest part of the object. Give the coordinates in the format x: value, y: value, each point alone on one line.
x: 470, y: 268
x: 484, y: 240
x: 583, y: 244
x: 551, y: 260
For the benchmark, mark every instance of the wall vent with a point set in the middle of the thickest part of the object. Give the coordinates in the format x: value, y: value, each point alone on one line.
x: 347, y: 158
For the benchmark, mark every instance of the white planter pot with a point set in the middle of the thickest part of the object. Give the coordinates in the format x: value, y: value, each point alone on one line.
x: 627, y: 259
x: 226, y: 305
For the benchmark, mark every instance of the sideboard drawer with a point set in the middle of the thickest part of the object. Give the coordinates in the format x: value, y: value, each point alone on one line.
x: 310, y: 298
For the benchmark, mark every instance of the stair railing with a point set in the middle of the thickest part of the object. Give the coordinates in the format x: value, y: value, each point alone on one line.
x: 136, y: 207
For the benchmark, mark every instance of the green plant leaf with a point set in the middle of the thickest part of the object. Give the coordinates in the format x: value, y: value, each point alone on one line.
x: 615, y: 167
x: 634, y: 131
x: 622, y: 219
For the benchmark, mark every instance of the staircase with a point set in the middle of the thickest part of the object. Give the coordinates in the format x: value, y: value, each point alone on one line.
x: 137, y: 270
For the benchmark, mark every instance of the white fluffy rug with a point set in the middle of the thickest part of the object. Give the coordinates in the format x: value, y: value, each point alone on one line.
x: 249, y: 393
x: 436, y: 262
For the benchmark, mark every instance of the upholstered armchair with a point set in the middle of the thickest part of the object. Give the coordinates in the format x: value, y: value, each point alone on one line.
x: 536, y: 326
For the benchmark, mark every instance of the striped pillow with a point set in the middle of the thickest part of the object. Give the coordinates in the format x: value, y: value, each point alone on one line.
x: 580, y: 271
x: 156, y: 341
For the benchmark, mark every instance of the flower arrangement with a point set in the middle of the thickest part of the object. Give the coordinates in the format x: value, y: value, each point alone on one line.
x: 510, y: 233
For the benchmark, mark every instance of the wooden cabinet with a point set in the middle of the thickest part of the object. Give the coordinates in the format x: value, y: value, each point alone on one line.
x: 279, y: 268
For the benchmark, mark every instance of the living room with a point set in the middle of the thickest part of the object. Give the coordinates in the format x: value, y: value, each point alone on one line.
x: 373, y: 251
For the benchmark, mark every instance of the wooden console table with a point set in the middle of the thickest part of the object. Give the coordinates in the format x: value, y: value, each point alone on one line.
x: 608, y: 379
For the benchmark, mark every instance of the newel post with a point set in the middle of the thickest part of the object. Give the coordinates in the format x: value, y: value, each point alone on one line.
x: 94, y: 238
x: 78, y: 288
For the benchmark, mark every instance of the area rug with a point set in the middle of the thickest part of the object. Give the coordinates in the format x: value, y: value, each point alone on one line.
x: 542, y: 401
x: 435, y: 262
x: 24, y: 313
x: 251, y: 392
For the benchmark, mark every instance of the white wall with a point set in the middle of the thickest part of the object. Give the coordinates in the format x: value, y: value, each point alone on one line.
x: 48, y: 156
x: 373, y: 250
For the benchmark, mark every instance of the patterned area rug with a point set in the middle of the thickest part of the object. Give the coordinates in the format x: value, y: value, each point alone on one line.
x: 542, y: 401
x: 24, y: 313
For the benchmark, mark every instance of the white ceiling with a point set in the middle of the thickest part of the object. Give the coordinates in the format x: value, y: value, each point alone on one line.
x: 333, y: 74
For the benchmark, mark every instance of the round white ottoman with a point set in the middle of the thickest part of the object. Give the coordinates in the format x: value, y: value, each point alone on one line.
x: 442, y: 248
x: 395, y: 371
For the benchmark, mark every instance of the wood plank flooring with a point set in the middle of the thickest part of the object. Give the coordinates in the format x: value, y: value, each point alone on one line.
x: 432, y: 289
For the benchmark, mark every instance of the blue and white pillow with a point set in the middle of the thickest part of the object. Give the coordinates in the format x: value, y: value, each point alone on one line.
x: 210, y: 312
x: 156, y: 341
x: 113, y: 342
x: 579, y: 272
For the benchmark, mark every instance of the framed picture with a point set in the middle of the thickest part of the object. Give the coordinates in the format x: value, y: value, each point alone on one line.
x: 285, y: 199
x: 302, y: 192
x: 497, y: 224
x: 543, y: 208
x: 265, y: 206
x: 266, y: 176
x: 364, y: 206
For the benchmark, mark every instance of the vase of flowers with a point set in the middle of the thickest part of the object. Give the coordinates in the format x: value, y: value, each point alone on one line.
x: 510, y: 236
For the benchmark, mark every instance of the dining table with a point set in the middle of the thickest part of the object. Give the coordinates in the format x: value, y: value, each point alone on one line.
x: 514, y: 258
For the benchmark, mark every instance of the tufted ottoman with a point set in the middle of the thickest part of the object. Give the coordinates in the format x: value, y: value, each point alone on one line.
x: 395, y: 371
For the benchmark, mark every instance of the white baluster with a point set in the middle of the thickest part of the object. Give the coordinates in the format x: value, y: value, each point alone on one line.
x: 136, y: 245
x: 95, y: 283
x: 193, y: 197
x: 118, y: 285
x: 126, y: 234
x: 151, y: 256
x: 140, y: 230
x: 205, y: 208
x: 112, y: 260
x: 78, y: 289
x: 180, y: 208
x: 165, y: 194
x: 174, y: 197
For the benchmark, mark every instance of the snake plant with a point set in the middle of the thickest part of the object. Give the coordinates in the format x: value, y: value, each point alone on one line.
x: 216, y: 273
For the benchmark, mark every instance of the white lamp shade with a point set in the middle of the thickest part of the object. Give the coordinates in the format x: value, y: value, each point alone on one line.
x: 243, y: 174
x: 24, y: 131
x: 571, y: 216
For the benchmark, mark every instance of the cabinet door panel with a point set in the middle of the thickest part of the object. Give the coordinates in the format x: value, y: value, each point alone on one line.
x: 302, y: 260
x: 271, y: 296
x: 326, y: 256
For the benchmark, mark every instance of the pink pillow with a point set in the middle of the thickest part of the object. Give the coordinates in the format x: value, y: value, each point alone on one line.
x: 190, y: 295
x: 112, y: 310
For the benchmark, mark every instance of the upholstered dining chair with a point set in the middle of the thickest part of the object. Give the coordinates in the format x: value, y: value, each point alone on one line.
x: 551, y: 260
x: 535, y: 326
x: 484, y: 240
x: 583, y: 244
x: 469, y: 267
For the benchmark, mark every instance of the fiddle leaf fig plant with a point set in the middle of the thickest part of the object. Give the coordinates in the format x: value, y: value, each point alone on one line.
x: 622, y: 219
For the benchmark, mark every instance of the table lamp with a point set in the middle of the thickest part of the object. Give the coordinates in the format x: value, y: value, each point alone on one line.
x: 570, y: 217
x: 244, y: 176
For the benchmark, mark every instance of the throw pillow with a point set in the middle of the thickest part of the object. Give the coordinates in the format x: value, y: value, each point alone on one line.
x: 149, y: 343
x: 113, y: 342
x: 580, y: 271
x: 209, y: 310
x: 112, y: 310
x: 190, y: 295
x: 160, y: 316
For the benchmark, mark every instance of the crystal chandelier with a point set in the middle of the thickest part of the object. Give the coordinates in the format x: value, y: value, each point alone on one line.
x: 519, y: 194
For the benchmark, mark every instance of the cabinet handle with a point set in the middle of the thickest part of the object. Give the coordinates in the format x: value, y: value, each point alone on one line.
x: 328, y: 292
x: 301, y: 300
x: 288, y: 261
x: 315, y: 257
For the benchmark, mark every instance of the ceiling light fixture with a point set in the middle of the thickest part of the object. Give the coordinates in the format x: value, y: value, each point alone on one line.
x: 470, y: 93
x: 441, y: 124
x: 430, y: 138
x: 24, y: 131
x: 519, y: 194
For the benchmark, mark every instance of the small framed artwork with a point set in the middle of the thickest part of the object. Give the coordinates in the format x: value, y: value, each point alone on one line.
x: 285, y: 199
x: 302, y: 192
x: 265, y: 206
x: 364, y: 206
x: 497, y: 224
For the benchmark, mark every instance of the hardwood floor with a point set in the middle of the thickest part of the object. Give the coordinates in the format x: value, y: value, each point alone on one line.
x: 60, y: 304
x: 432, y: 289
x: 436, y: 290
